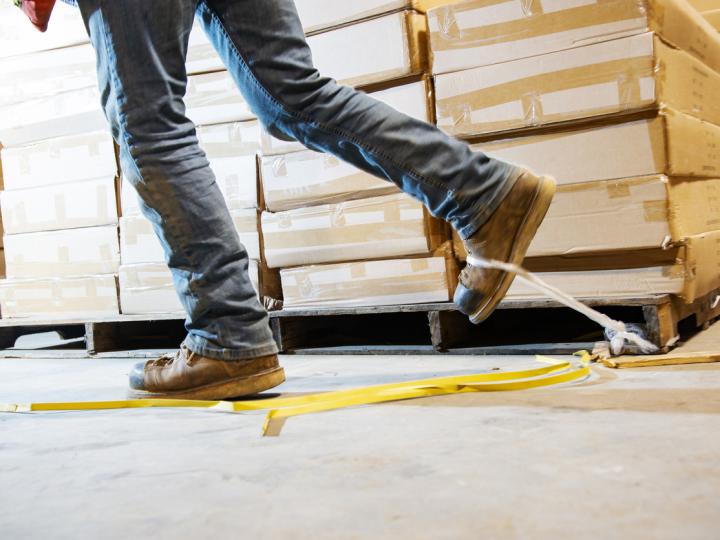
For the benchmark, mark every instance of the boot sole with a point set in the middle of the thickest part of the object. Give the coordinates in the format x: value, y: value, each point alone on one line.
x: 227, y: 389
x: 538, y: 210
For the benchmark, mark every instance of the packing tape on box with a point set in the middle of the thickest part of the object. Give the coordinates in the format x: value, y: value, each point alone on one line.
x: 446, y: 33
x: 626, y: 73
x: 280, y: 409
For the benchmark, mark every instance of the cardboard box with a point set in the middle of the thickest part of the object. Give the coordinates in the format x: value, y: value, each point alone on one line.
x: 64, y: 159
x: 381, y: 227
x: 139, y: 244
x: 82, y: 298
x: 72, y: 252
x: 317, y: 15
x: 367, y: 283
x: 46, y: 73
x: 590, y: 284
x: 629, y: 74
x: 483, y: 32
x: 148, y: 289
x: 214, y: 98
x: 231, y: 150
x: 88, y: 203
x: 414, y: 99
x: 66, y: 113
x: 310, y: 178
x: 713, y: 17
x: 669, y: 143
x: 631, y: 216
x: 19, y: 37
x: 377, y: 50
x: 702, y: 265
x: 201, y: 56
x: 694, y: 275
x: 704, y: 5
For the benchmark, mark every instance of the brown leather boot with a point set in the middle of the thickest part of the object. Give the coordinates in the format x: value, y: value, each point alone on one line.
x: 186, y: 375
x: 505, y: 237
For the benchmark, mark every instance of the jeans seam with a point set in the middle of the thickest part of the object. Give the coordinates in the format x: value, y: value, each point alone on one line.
x: 300, y: 116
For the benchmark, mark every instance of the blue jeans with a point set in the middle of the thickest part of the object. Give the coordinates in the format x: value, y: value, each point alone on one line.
x: 141, y: 47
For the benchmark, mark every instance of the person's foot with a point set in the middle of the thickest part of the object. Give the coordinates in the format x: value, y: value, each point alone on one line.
x: 505, y: 237
x: 186, y: 375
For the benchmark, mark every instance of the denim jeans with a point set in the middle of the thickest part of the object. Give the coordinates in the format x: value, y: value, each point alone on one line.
x: 141, y: 47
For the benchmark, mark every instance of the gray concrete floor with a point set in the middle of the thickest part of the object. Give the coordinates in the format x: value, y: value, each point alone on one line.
x: 628, y: 454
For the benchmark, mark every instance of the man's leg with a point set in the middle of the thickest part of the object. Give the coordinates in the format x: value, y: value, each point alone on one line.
x: 141, y: 47
x: 263, y: 47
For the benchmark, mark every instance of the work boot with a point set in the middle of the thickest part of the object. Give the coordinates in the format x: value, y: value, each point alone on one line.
x: 186, y: 375
x: 505, y: 237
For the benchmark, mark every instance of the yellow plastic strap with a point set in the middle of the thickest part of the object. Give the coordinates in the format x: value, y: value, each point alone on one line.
x: 284, y: 407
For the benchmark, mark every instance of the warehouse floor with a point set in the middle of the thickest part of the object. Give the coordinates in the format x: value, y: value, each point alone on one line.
x: 628, y: 454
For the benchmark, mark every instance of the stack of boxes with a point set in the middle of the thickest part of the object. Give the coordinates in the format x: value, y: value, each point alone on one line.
x: 59, y: 204
x: 618, y: 101
x: 339, y: 235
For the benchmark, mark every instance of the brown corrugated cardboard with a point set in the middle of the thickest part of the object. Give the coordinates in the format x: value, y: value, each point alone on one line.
x: 702, y: 264
x: 625, y: 283
x: 704, y: 5
x: 670, y: 143
x: 88, y: 203
x: 381, y: 227
x: 366, y: 283
x: 629, y: 74
x: 46, y: 73
x: 66, y: 113
x: 310, y: 179
x: 627, y: 214
x: 18, y: 37
x: 713, y: 17
x: 373, y: 51
x: 64, y: 159
x: 483, y: 32
x: 148, y: 289
x: 139, y: 244
x: 71, y: 252
x: 213, y: 98
x: 63, y: 298
x: 414, y: 99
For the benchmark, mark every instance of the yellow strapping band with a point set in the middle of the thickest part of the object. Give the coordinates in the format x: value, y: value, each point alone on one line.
x: 279, y: 409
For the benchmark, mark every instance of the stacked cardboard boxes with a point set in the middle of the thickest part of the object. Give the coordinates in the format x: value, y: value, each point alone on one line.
x: 616, y: 100
x: 343, y: 237
x: 59, y: 204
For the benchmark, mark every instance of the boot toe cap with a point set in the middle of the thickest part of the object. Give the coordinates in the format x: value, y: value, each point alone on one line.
x: 137, y: 377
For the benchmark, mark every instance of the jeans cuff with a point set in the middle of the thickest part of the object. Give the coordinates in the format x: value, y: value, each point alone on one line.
x: 482, y: 210
x: 201, y: 347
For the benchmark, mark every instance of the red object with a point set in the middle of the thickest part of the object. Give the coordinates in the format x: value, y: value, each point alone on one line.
x: 38, y: 11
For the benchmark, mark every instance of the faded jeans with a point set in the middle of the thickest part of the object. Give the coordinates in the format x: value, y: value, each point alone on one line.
x: 141, y: 47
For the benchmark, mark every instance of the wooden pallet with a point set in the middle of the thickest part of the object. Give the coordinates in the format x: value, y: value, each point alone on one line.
x: 517, y: 327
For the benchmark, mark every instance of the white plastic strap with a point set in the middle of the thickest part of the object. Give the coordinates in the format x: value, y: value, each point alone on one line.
x: 621, y: 334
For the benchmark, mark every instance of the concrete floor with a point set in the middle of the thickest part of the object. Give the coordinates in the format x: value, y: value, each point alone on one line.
x: 629, y: 454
